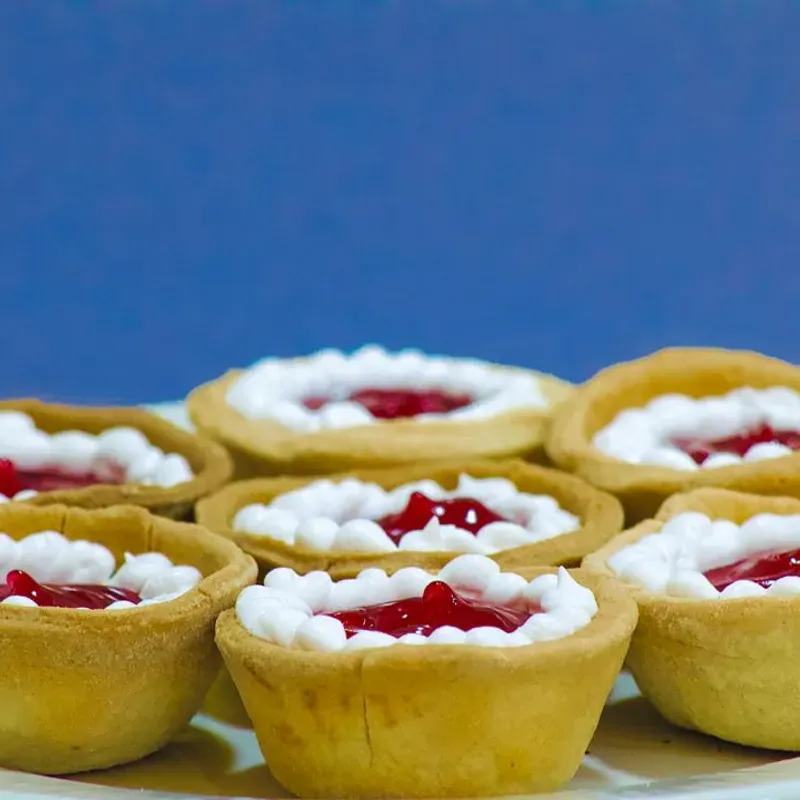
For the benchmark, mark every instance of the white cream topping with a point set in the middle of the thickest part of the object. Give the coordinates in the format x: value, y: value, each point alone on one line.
x: 292, y: 610
x: 673, y: 560
x: 49, y: 557
x: 646, y: 435
x: 275, y: 389
x: 80, y: 452
x: 340, y: 517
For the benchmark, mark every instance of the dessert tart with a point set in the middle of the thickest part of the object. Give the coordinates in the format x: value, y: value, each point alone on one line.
x: 683, y: 419
x: 107, y: 626
x: 331, y: 412
x: 98, y: 457
x: 716, y: 576
x: 520, y: 514
x: 466, y: 682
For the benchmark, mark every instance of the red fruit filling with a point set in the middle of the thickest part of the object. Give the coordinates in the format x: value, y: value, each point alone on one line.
x: 763, y: 569
x: 438, y: 606
x: 400, y: 403
x: 420, y: 510
x: 13, y: 480
x: 64, y: 595
x: 701, y: 449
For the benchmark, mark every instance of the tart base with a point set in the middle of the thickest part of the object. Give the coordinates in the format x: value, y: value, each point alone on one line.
x: 263, y: 448
x: 696, y: 372
x: 210, y: 463
x: 725, y: 668
x: 85, y: 690
x: 430, y: 721
x: 600, y: 514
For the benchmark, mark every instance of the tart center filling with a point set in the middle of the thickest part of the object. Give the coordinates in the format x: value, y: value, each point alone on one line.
x: 439, y: 606
x: 92, y: 596
x: 463, y: 512
x: 47, y: 569
x: 33, y: 460
x: 763, y: 569
x: 478, y: 515
x: 399, y: 403
x: 738, y: 444
x: 470, y: 601
x: 696, y: 556
x: 14, y: 480
x: 689, y: 433
x: 330, y: 390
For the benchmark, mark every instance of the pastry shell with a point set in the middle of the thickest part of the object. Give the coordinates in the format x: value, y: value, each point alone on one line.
x: 431, y: 721
x: 601, y: 515
x: 210, y: 463
x: 697, y: 372
x: 727, y: 668
x: 84, y: 690
x: 263, y: 447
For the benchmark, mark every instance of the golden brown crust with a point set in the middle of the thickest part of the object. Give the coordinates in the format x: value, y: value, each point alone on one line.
x: 83, y: 690
x: 697, y: 372
x: 431, y: 721
x: 600, y: 513
x: 210, y: 462
x: 725, y: 668
x: 262, y: 447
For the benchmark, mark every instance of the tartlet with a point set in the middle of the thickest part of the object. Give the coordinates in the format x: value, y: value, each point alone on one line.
x: 597, y: 516
x: 89, y: 689
x: 682, y: 419
x: 481, y: 713
x: 329, y: 412
x: 714, y: 650
x: 37, y: 434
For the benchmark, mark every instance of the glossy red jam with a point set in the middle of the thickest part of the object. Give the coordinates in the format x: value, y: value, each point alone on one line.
x: 420, y: 510
x: 63, y: 595
x: 438, y: 606
x: 400, y: 403
x: 13, y: 480
x: 701, y: 449
x: 763, y: 569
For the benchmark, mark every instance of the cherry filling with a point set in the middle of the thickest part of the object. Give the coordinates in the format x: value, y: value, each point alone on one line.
x: 701, y: 449
x: 420, y: 510
x: 64, y: 595
x: 13, y: 480
x: 763, y: 569
x: 400, y: 403
x: 438, y: 606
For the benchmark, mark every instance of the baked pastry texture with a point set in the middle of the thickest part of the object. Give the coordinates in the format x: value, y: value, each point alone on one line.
x: 169, y: 470
x: 595, y: 516
x: 720, y: 662
x: 274, y: 418
x: 682, y: 419
x: 88, y: 689
x: 445, y: 714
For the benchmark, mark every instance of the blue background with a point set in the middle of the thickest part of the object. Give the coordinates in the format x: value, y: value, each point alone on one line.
x: 191, y: 185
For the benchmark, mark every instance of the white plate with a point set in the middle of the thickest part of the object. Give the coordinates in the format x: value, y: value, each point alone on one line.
x: 634, y: 754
